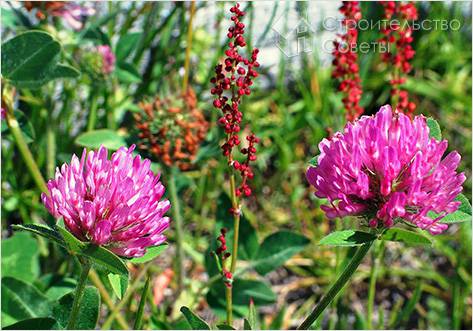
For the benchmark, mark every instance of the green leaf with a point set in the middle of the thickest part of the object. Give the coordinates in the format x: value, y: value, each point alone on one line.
x: 106, y: 259
x: 407, y: 311
x: 277, y: 249
x: 277, y: 322
x: 463, y: 214
x: 253, y: 316
x: 139, y: 313
x: 99, y: 255
x: 119, y: 284
x: 243, y: 291
x: 73, y: 244
x: 151, y: 253
x: 93, y: 139
x: 21, y: 300
x: 102, y: 20
x: 29, y: 55
x: 314, y: 161
x: 30, y: 60
x: 61, y: 288
x: 63, y: 71
x: 465, y: 206
x: 405, y: 236
x: 247, y: 325
x: 40, y: 323
x: 96, y: 34
x: 88, y: 313
x: 434, y: 129
x: 126, y: 44
x: 225, y: 327
x: 20, y: 255
x: 127, y: 73
x: 41, y: 230
x: 194, y: 321
x: 347, y: 238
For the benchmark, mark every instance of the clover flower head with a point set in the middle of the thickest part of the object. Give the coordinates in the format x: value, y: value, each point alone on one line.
x: 386, y: 168
x: 116, y: 203
x: 108, y: 58
x: 72, y: 13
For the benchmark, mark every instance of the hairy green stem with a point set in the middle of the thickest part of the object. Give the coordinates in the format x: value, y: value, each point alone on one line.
x: 176, y: 210
x: 337, y: 286
x: 71, y: 325
x: 24, y: 149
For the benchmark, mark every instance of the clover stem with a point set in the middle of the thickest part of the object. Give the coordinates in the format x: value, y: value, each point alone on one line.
x: 337, y: 286
x: 71, y: 325
x: 25, y: 152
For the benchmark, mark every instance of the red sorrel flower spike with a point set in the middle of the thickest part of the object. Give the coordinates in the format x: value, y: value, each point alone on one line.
x: 398, y: 39
x: 222, y: 253
x: 233, y: 79
x: 116, y: 203
x: 345, y: 61
x: 108, y: 58
x: 385, y: 168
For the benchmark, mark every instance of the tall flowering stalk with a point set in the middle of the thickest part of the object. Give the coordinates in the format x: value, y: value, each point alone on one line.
x: 345, y: 62
x: 233, y: 79
x: 385, y: 170
x: 397, y: 36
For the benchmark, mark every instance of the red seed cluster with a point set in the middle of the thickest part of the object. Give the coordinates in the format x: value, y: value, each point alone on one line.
x: 244, y: 168
x: 223, y: 254
x: 171, y: 129
x: 397, y: 36
x: 233, y: 79
x: 345, y: 61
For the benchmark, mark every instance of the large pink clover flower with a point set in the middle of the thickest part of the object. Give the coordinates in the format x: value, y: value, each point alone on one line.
x: 386, y: 168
